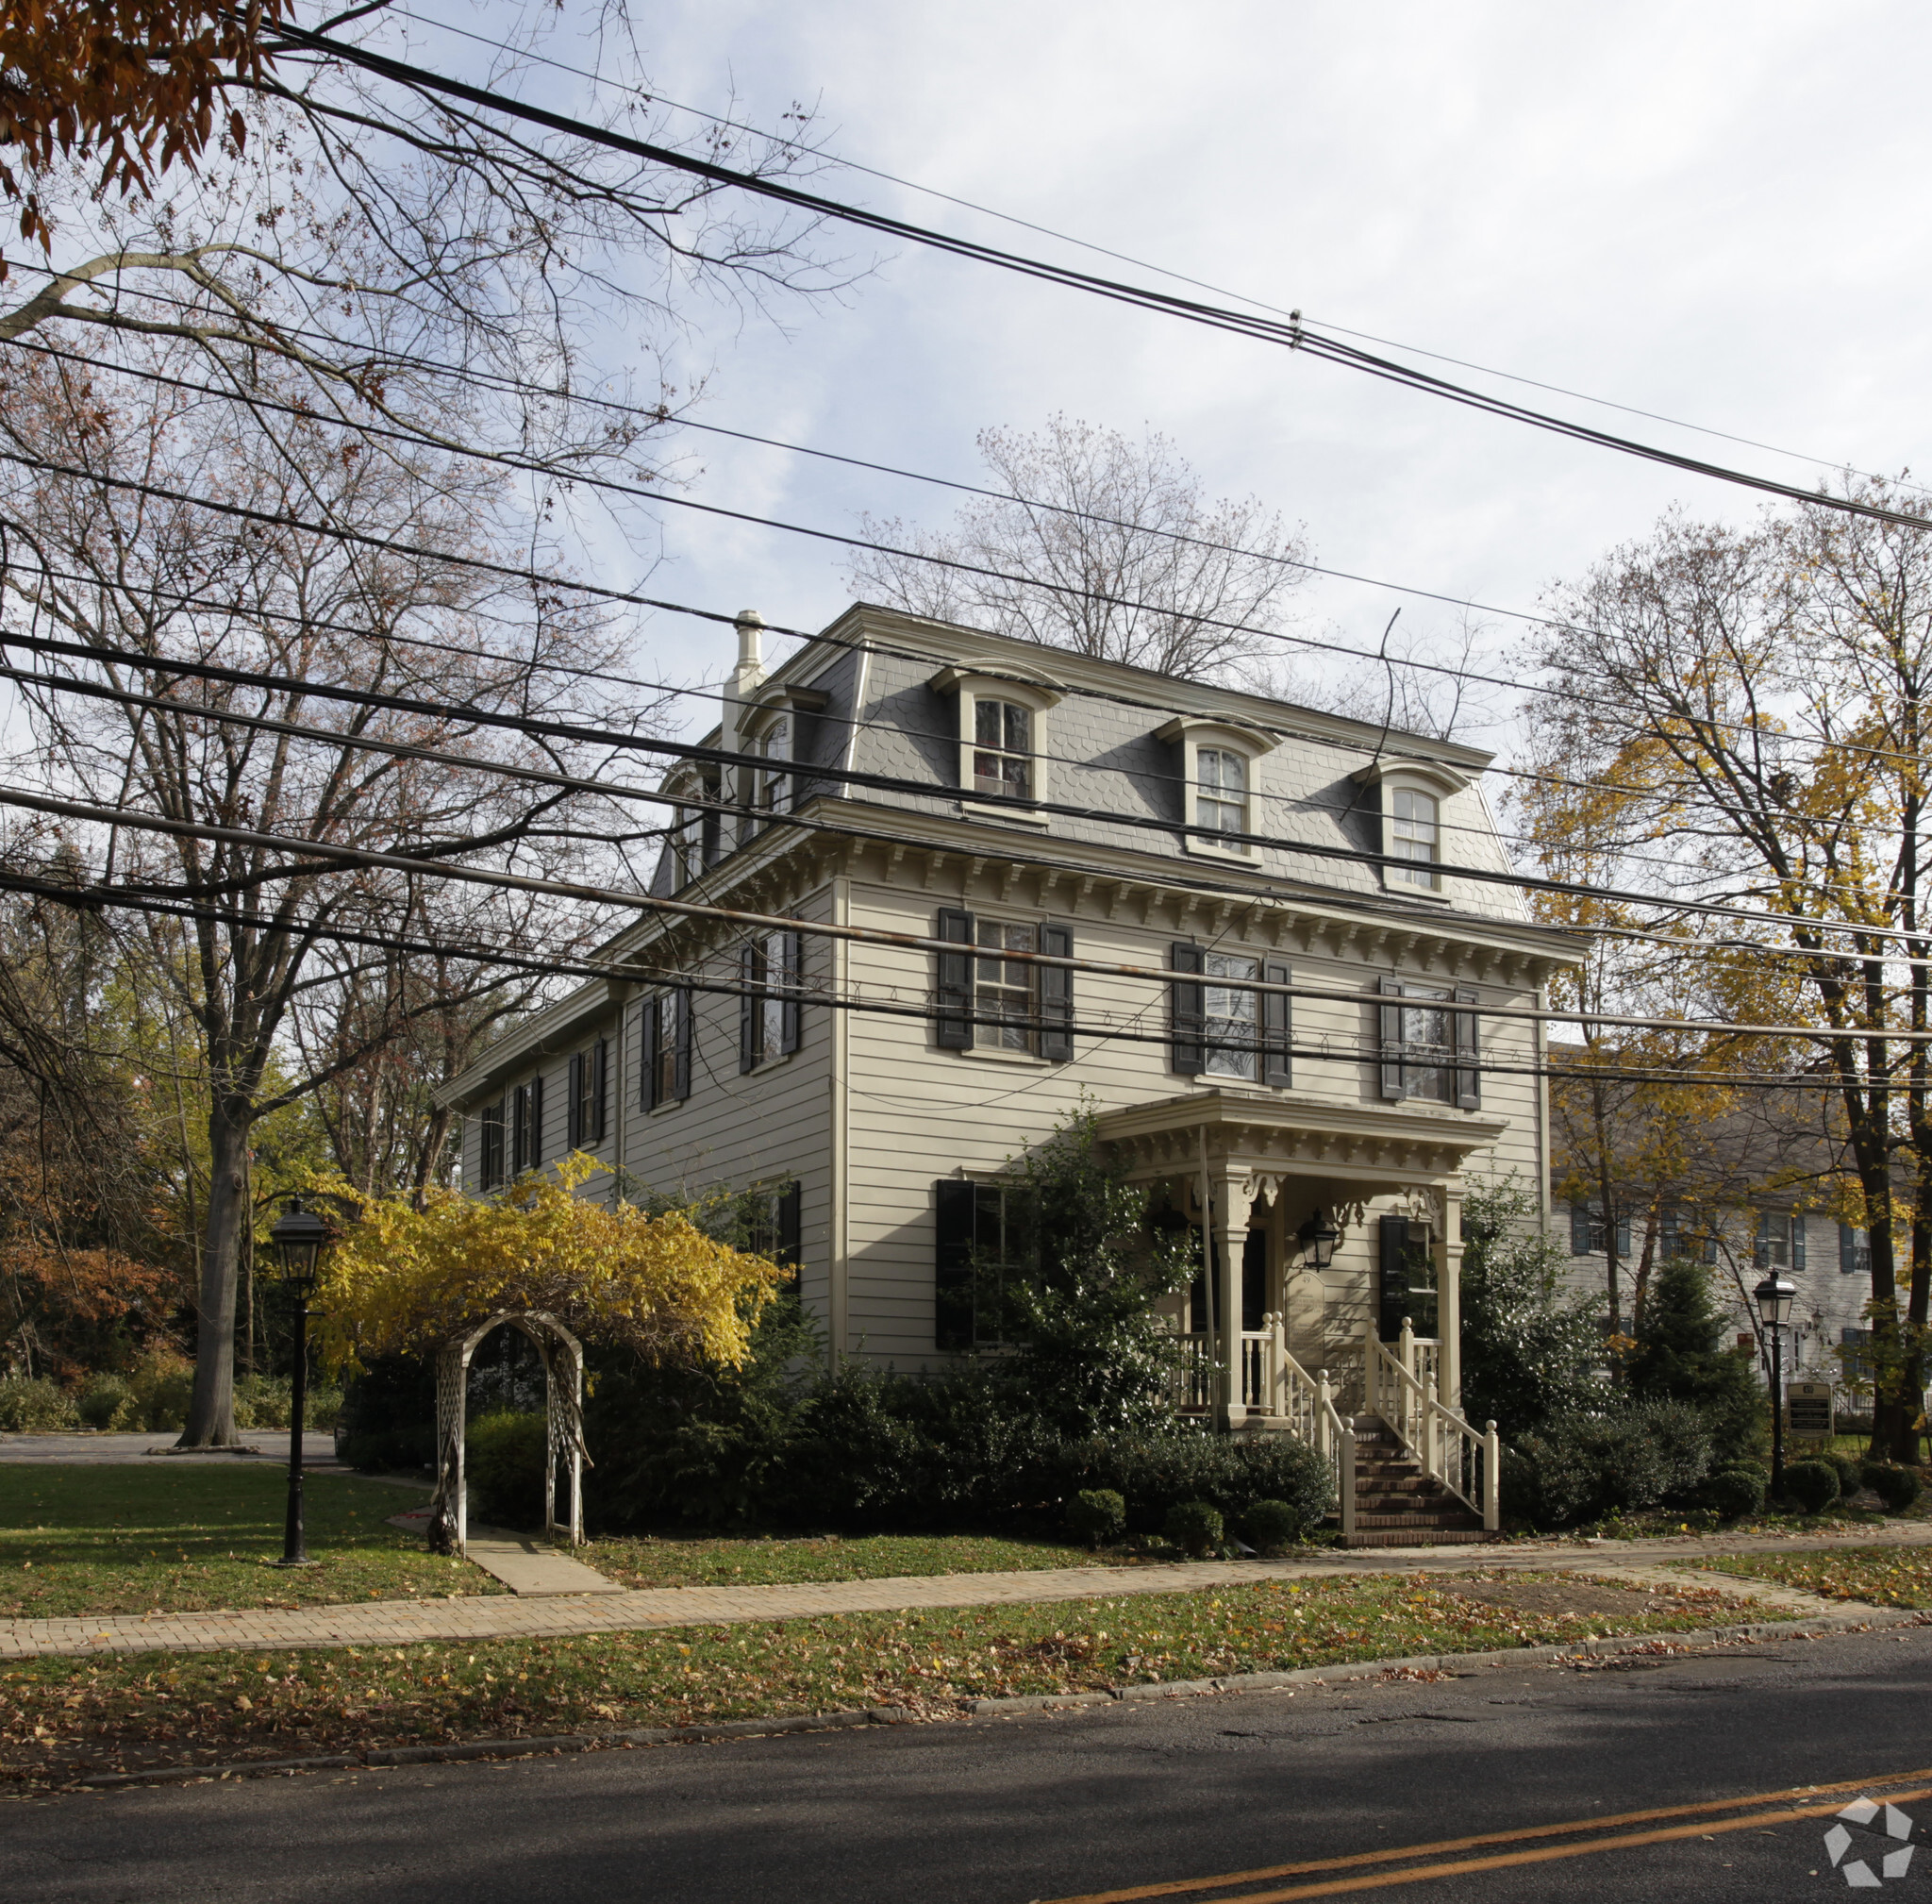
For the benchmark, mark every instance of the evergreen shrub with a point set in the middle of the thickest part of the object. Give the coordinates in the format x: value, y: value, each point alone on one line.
x: 1582, y: 1467
x: 1680, y: 1356
x: 1850, y: 1472
x: 1899, y: 1488
x: 1272, y: 1526
x: 1195, y: 1528
x: 1098, y: 1517
x: 107, y: 1403
x: 503, y: 1465
x: 1231, y: 1472
x: 32, y: 1405
x: 1732, y: 1493
x: 1813, y: 1485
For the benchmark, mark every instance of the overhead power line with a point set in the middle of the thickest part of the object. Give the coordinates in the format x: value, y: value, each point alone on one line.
x: 1292, y: 334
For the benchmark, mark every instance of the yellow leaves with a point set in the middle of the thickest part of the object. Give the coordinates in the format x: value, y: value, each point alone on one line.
x: 401, y: 1280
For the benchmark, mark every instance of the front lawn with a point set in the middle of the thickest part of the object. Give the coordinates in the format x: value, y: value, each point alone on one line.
x: 1885, y: 1577
x: 717, y: 1561
x: 59, y: 1716
x: 184, y: 1537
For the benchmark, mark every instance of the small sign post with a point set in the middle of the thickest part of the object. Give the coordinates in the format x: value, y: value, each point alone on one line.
x: 1807, y: 1407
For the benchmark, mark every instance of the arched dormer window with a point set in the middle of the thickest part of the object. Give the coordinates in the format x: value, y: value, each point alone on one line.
x: 1003, y: 721
x: 1412, y: 794
x: 775, y: 733
x: 1219, y: 771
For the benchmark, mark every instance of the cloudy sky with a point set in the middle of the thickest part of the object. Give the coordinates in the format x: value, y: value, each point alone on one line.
x: 1715, y: 212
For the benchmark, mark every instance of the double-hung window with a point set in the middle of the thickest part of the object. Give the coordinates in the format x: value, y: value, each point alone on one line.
x: 664, y: 1033
x: 697, y: 833
x: 527, y: 1126
x: 771, y: 788
x: 985, y: 1251
x: 1780, y: 1243
x: 768, y: 1006
x: 1854, y: 1251
x: 1223, y: 1025
x: 1429, y: 1050
x: 490, y: 1146
x: 588, y: 1094
x: 1414, y: 835
x: 986, y: 999
x: 1589, y: 1233
x: 774, y: 1230
x: 1001, y: 748
x: 1221, y: 791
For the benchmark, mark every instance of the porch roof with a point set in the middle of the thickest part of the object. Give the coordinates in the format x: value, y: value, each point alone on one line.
x: 1265, y: 1136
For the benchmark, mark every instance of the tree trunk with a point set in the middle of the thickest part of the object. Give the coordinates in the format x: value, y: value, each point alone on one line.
x: 211, y: 1413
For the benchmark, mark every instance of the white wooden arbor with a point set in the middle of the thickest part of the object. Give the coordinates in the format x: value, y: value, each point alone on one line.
x: 563, y: 1397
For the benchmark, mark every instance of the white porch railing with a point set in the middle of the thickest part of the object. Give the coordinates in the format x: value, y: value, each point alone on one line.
x: 1194, y: 1382
x: 1404, y: 1388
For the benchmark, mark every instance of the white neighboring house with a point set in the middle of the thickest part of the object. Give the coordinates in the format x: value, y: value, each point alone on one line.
x: 1002, y: 798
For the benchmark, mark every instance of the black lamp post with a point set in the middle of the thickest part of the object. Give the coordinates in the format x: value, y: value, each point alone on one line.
x: 1775, y: 1296
x: 1318, y: 1238
x: 299, y: 1237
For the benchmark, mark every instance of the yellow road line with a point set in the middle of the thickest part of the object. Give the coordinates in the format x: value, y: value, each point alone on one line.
x: 1394, y: 1854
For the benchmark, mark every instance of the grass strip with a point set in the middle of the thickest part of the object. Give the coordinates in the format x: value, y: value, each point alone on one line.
x: 60, y: 1717
x: 1884, y: 1577
x: 185, y: 1538
x: 713, y: 1561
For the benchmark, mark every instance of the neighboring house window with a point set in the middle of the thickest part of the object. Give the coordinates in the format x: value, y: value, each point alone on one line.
x: 1854, y: 1251
x: 768, y: 1009
x: 1589, y: 1235
x: 588, y: 1090
x: 664, y: 1050
x: 1780, y: 1243
x: 1001, y: 748
x: 1224, y: 1028
x: 1414, y: 828
x: 984, y: 1001
x: 1428, y: 1050
x: 1856, y: 1365
x: 1221, y: 791
x: 985, y: 1249
x: 527, y: 1126
x: 776, y: 1227
x: 490, y: 1162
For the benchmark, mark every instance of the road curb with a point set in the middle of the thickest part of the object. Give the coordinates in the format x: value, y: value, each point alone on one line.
x: 557, y: 1744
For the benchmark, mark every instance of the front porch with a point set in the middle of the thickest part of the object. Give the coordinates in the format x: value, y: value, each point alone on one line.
x: 1328, y: 1305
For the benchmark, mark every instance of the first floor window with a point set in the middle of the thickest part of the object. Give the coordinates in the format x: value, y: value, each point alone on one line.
x: 489, y: 1162
x: 774, y: 1228
x: 588, y: 1090
x: 1222, y: 1026
x: 1429, y: 1050
x: 1413, y: 827
x: 1001, y: 749
x: 527, y: 1126
x: 768, y: 1016
x: 1853, y: 1345
x: 986, y: 997
x: 986, y: 1252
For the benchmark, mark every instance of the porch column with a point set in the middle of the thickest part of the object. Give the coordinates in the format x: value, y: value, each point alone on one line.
x: 1231, y: 1206
x: 1449, y: 1294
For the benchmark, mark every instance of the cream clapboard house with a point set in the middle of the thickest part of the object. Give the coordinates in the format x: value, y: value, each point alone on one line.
x: 990, y: 799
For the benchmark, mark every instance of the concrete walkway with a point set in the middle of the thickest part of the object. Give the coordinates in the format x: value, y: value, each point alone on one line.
x: 395, y: 1623
x: 260, y: 1447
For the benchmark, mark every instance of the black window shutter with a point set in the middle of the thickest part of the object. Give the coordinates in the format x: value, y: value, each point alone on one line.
x: 1469, y: 1076
x: 952, y: 1264
x: 1277, y: 1019
x: 1579, y: 1229
x: 536, y: 1120
x: 748, y: 1002
x: 648, y: 1035
x: 792, y: 962
x: 1188, y: 1011
x: 1391, y: 1302
x: 600, y: 1079
x: 1057, y: 996
x: 711, y: 829
x: 492, y: 1160
x: 1391, y: 1041
x: 953, y: 1021
x: 679, y: 1003
x: 574, y: 1109
x: 789, y: 1208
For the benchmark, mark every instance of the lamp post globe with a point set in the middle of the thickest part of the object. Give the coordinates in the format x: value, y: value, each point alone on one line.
x: 1775, y: 1296
x: 298, y: 1238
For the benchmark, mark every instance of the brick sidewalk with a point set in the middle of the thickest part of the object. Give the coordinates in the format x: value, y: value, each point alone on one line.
x: 395, y: 1623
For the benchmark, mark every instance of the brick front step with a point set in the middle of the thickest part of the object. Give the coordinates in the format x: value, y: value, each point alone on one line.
x: 1442, y: 1520
x: 1417, y: 1537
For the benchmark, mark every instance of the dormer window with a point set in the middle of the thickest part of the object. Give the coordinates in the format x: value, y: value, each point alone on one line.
x: 1001, y: 749
x: 1414, y: 828
x: 1411, y: 794
x: 1002, y: 736
x: 1218, y: 763
x: 771, y: 792
x: 697, y: 833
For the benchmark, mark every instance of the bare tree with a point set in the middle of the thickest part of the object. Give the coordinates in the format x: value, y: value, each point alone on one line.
x: 1100, y: 544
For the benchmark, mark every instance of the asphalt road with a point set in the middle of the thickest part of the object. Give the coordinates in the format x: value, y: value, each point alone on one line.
x: 1053, y: 1806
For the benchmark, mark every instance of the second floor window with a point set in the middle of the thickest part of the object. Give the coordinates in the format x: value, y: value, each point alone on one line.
x: 664, y: 1036
x: 768, y: 1009
x: 987, y: 1001
x: 490, y: 1162
x: 1221, y: 791
x: 1221, y: 1025
x: 527, y: 1126
x: 1589, y: 1234
x: 1005, y: 987
x: 1413, y: 827
x: 1853, y: 1250
x: 1780, y: 1243
x: 588, y: 1084
x: 1429, y: 1049
x: 1001, y: 749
